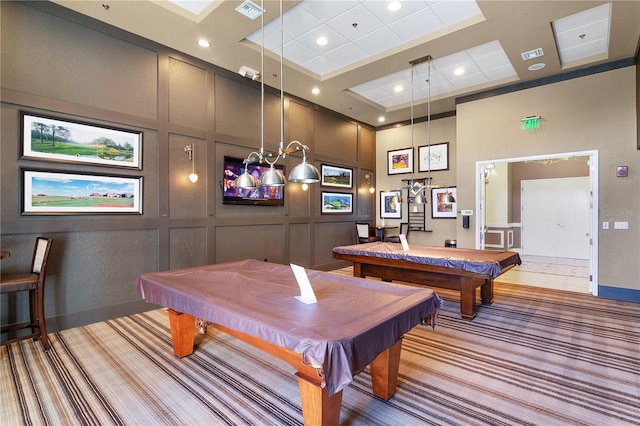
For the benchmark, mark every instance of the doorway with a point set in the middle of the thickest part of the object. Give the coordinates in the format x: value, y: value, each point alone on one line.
x: 558, y: 226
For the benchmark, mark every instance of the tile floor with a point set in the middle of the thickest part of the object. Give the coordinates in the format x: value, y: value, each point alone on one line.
x: 550, y: 272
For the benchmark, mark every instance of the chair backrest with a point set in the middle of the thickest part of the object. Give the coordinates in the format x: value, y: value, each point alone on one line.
x: 363, y: 230
x: 404, y: 228
x: 40, y: 255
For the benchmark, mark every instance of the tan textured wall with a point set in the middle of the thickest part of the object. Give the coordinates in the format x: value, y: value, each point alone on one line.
x: 108, y: 77
x: 596, y: 112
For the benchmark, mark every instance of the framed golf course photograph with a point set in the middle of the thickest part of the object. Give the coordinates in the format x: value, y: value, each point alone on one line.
x: 54, y: 139
x: 52, y: 193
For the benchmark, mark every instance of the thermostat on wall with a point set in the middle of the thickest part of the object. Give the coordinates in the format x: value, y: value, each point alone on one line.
x: 466, y: 212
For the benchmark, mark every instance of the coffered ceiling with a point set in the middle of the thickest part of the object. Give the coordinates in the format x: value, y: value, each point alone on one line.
x: 358, y: 53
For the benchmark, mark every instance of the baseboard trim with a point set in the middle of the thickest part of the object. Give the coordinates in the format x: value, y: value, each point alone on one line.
x: 618, y: 293
x: 78, y: 319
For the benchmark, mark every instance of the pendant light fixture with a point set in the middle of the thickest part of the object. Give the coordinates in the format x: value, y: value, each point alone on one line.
x: 416, y: 189
x: 448, y: 197
x: 303, y: 172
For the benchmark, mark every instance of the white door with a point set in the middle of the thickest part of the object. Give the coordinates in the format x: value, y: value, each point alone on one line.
x: 556, y: 217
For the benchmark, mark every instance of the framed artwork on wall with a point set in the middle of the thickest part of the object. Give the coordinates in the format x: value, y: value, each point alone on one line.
x: 53, y: 193
x: 337, y: 202
x: 400, y: 161
x: 389, y: 210
x: 54, y: 139
x: 440, y: 209
x: 433, y: 157
x: 341, y: 177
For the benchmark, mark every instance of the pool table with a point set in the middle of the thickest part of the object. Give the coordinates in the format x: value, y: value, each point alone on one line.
x: 458, y: 269
x: 354, y: 323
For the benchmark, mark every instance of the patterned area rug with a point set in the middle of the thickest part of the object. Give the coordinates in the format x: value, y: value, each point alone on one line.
x: 534, y: 357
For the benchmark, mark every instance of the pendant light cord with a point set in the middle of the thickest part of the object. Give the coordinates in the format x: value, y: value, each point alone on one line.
x: 281, y: 78
x: 429, y: 121
x: 262, y: 86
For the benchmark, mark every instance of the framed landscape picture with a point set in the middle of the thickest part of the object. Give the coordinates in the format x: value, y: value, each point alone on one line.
x: 337, y: 202
x: 337, y: 176
x: 441, y: 209
x: 433, y: 157
x: 50, y: 193
x: 400, y: 161
x: 389, y: 210
x: 55, y: 139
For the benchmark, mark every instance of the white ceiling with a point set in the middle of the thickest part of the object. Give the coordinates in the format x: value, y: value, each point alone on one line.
x: 364, y: 69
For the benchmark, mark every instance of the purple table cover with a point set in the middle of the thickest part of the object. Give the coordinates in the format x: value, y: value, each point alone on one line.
x: 486, y: 262
x: 354, y: 320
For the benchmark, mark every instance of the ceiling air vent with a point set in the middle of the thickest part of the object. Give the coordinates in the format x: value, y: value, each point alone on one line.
x: 249, y: 9
x: 532, y: 54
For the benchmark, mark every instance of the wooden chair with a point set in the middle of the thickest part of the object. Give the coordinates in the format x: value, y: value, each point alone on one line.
x: 33, y: 282
x: 364, y: 233
x: 404, y: 229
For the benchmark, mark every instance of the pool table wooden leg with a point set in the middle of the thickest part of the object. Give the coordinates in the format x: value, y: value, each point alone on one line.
x: 183, y: 329
x: 318, y: 408
x: 467, y: 298
x: 357, y: 270
x: 384, y: 371
x: 486, y: 292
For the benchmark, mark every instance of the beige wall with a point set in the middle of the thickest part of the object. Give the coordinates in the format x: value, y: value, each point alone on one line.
x: 596, y: 112
x: 442, y: 130
x: 592, y: 113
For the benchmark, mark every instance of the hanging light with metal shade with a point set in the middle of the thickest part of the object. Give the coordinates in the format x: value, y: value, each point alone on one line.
x: 303, y: 172
x: 246, y: 180
x: 448, y: 197
x: 397, y: 198
x: 272, y: 177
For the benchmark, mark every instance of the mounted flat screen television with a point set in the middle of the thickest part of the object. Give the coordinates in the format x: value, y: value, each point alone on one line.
x: 260, y: 196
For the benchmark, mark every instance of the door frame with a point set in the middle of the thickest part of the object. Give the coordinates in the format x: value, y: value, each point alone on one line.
x: 480, y: 222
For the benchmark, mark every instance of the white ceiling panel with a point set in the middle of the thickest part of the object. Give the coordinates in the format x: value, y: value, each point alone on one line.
x: 334, y: 39
x: 378, y: 41
x: 346, y: 54
x: 320, y: 65
x: 355, y: 22
x: 381, y: 11
x: 452, y: 12
x: 298, y: 52
x: 491, y: 64
x: 326, y: 10
x: 414, y: 25
x: 584, y: 50
x: 367, y: 24
x: 587, y: 33
x: 584, y: 34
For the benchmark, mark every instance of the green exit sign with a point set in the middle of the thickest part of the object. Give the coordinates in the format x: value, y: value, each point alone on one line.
x: 531, y: 123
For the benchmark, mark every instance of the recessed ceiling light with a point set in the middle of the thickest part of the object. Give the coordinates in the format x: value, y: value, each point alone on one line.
x: 536, y: 67
x: 322, y: 41
x: 458, y: 71
x: 315, y: 90
x: 394, y: 5
x: 203, y: 43
x: 398, y: 89
x: 380, y: 119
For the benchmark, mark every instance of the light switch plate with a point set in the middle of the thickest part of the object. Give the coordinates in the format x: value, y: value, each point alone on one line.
x: 605, y: 225
x: 620, y: 225
x: 466, y: 212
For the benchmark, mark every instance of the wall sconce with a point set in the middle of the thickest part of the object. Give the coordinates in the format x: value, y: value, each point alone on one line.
x: 368, y: 178
x: 189, y: 149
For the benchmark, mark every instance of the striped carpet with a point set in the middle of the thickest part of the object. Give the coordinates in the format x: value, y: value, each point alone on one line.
x: 534, y: 357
